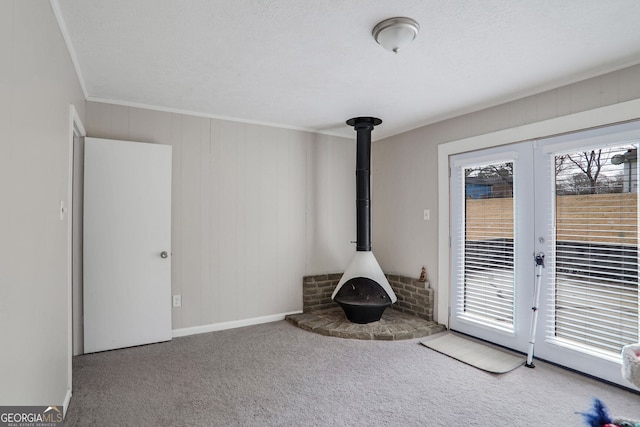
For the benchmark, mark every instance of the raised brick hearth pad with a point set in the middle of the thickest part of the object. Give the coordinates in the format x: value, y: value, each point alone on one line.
x: 410, y: 317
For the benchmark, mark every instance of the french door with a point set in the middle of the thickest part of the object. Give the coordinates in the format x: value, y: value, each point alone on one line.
x: 491, y: 249
x: 573, y: 199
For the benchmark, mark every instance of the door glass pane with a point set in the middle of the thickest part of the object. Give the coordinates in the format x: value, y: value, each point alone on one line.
x: 488, y: 244
x: 596, y: 248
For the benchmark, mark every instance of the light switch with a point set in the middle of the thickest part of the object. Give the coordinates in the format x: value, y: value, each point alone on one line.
x: 427, y: 214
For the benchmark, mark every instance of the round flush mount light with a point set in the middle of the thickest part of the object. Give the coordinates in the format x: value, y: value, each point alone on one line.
x: 394, y: 34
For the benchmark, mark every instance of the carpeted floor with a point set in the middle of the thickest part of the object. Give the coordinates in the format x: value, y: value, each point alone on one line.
x: 277, y: 374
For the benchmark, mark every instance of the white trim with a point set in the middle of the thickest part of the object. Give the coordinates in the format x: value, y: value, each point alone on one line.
x: 591, y: 351
x: 67, y: 40
x: 65, y: 404
x: 76, y: 123
x: 621, y: 112
x: 597, y: 138
x: 209, y: 116
x: 482, y: 323
x: 214, y: 327
x: 75, y: 128
x: 507, y: 156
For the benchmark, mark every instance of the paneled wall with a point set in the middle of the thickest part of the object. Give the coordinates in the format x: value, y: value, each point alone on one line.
x: 37, y: 86
x: 255, y: 208
x: 405, y: 167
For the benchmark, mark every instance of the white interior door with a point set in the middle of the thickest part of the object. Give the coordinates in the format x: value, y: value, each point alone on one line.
x: 126, y: 244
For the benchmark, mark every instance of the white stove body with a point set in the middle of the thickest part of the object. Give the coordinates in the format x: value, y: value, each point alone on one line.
x: 364, y: 264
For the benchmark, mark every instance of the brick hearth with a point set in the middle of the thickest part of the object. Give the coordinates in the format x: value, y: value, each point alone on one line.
x: 410, y: 317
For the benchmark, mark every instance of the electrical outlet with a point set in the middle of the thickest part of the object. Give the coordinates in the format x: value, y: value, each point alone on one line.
x: 177, y: 301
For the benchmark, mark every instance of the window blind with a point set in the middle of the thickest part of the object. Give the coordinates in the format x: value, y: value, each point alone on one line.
x: 596, y: 248
x: 488, y: 260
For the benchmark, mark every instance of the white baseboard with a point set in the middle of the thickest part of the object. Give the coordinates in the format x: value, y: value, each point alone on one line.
x: 212, y: 327
x: 65, y: 405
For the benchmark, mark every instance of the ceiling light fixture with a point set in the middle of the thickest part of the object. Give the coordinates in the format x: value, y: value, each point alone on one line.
x: 395, y: 33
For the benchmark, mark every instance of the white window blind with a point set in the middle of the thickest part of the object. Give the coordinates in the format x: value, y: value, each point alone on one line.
x: 596, y: 248
x: 488, y: 259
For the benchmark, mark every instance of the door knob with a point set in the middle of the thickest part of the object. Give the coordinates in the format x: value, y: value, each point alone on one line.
x: 164, y: 254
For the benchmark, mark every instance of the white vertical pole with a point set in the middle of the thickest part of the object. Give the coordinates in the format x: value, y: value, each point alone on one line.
x: 536, y: 301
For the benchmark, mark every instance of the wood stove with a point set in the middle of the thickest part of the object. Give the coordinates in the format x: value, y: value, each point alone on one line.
x: 363, y: 291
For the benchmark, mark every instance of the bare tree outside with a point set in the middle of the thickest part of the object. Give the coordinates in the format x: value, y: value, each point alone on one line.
x: 582, y: 172
x: 590, y: 163
x: 592, y: 172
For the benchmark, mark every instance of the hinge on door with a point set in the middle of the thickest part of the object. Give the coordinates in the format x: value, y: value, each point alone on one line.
x: 449, y: 171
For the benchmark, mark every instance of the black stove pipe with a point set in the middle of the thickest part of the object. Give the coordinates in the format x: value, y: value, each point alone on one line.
x: 363, y: 127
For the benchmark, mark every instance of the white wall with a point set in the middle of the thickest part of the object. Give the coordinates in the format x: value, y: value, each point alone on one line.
x: 241, y: 248
x: 405, y: 167
x: 255, y: 208
x: 37, y: 85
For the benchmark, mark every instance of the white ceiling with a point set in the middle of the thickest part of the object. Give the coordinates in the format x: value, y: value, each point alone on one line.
x: 312, y: 64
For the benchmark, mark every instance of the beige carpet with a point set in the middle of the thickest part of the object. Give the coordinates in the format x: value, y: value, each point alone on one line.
x: 275, y: 374
x: 476, y: 354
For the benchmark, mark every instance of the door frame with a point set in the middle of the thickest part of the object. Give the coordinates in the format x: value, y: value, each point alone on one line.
x: 603, y: 116
x: 76, y: 129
